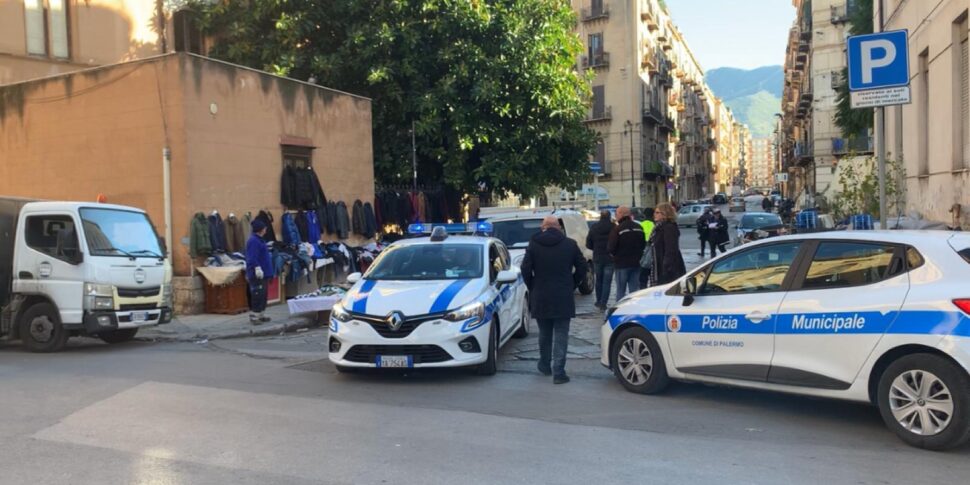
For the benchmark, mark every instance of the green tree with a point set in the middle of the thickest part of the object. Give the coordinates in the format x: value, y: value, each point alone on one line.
x: 491, y: 85
x: 853, y: 122
x: 860, y: 187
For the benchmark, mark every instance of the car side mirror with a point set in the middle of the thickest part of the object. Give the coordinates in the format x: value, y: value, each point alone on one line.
x: 505, y: 277
x: 353, y: 278
x: 688, y: 288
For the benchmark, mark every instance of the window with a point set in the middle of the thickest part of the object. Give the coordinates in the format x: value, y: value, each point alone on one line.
x: 913, y: 258
x: 111, y: 232
x: 595, y: 48
x: 965, y: 254
x: 760, y: 269
x: 961, y: 118
x: 53, y: 235
x: 297, y: 156
x: 497, y: 262
x: 924, y: 113
x: 847, y: 264
x: 599, y: 102
x: 46, y: 24
x: 428, y: 262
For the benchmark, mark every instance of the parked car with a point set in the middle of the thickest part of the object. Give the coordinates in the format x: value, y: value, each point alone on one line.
x: 737, y: 205
x: 687, y: 216
x: 720, y: 198
x: 759, y: 225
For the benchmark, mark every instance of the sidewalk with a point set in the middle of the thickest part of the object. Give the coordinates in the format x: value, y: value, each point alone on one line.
x: 194, y: 328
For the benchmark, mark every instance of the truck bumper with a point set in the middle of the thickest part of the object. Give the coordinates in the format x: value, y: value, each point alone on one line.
x: 95, y: 322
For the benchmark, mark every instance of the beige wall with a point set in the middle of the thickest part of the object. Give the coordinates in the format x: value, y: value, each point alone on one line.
x: 945, y: 181
x: 100, y: 31
x: 75, y: 136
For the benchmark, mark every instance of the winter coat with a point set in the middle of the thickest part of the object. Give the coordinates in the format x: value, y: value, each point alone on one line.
x: 358, y: 221
x: 289, y: 229
x: 200, y: 243
x: 217, y: 233
x: 668, y: 262
x: 288, y: 188
x: 598, y: 239
x: 552, y: 268
x: 312, y: 227
x: 626, y: 244
x: 235, y: 234
x: 721, y: 233
x: 330, y: 221
x: 702, y: 230
x: 370, y: 226
x: 257, y: 254
x: 342, y: 220
x: 267, y: 218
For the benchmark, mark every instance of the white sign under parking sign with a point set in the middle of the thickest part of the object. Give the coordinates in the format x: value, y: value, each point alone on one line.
x: 880, y: 97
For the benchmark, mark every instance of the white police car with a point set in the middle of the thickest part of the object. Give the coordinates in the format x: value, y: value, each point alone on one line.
x: 439, y: 301
x: 880, y: 317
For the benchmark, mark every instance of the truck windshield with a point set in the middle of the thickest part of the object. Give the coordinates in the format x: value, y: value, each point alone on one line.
x: 516, y: 233
x: 113, y: 232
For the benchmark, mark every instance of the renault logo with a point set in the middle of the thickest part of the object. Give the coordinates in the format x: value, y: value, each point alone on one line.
x: 140, y: 276
x: 394, y: 320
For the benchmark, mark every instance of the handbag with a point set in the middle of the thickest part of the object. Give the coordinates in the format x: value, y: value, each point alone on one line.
x: 646, y: 261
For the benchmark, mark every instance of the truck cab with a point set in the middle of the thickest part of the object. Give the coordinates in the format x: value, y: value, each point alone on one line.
x: 74, y: 268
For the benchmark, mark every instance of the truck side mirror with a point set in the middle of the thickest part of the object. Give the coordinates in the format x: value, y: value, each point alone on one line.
x: 78, y: 258
x: 163, y: 245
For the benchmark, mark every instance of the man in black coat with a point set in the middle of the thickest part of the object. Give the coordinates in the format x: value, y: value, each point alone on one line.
x: 552, y: 267
x: 626, y: 245
x: 598, y: 239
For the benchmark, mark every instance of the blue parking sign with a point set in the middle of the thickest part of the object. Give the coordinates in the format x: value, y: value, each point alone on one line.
x: 879, y: 60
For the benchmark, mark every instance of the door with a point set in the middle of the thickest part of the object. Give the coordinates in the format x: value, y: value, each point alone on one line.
x: 836, y: 311
x: 504, y: 302
x: 51, y: 254
x: 728, y: 330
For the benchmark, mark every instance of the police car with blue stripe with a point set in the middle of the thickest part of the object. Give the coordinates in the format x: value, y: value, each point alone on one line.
x: 879, y: 317
x: 448, y: 300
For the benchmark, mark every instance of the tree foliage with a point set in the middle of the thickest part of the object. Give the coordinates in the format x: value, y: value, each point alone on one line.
x: 490, y: 85
x: 850, y: 121
x: 860, y: 187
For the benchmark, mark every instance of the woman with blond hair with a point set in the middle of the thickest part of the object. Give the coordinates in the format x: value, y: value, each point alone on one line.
x: 668, y: 262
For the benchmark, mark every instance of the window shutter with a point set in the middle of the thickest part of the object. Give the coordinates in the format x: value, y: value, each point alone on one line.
x: 58, y: 28
x: 598, y: 103
x: 34, y: 23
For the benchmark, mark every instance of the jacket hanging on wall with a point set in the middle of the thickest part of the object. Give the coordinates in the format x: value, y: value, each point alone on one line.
x: 342, y: 220
x: 300, y: 189
x: 267, y: 218
x: 235, y: 234
x: 199, y: 239
x: 217, y: 233
x: 359, y: 223
x: 370, y: 221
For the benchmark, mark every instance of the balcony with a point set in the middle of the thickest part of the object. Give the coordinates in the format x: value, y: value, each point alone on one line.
x: 589, y: 14
x: 852, y: 146
x: 653, y: 114
x: 840, y: 14
x: 600, y: 60
x: 649, y: 62
x: 652, y: 169
x: 805, y: 100
x: 601, y: 114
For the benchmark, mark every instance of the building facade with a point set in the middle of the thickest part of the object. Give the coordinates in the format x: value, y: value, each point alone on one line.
x: 931, y: 135
x: 762, y: 162
x: 815, y: 61
x: 651, y: 107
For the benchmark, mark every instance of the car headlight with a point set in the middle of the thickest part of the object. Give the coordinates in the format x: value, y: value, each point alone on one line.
x: 473, y: 314
x: 340, y: 314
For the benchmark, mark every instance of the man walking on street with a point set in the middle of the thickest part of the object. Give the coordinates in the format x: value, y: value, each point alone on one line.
x: 626, y: 245
x: 552, y: 267
x: 598, y: 239
x: 259, y: 268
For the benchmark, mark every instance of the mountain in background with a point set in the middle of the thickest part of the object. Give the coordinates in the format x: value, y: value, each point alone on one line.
x: 754, y: 95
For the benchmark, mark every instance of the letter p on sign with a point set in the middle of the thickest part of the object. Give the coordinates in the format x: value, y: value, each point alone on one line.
x: 878, y: 60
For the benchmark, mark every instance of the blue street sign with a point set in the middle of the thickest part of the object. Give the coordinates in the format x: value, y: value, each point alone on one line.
x: 596, y: 167
x: 879, y: 60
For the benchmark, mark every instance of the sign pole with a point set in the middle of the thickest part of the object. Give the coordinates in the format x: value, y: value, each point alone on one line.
x: 881, y: 162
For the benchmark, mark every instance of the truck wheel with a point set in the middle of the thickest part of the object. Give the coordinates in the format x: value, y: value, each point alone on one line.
x: 41, y: 329
x: 925, y: 400
x: 589, y: 283
x: 118, y: 336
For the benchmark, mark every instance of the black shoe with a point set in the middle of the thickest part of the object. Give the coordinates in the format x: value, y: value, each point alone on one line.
x: 546, y: 371
x: 600, y: 306
x: 562, y: 379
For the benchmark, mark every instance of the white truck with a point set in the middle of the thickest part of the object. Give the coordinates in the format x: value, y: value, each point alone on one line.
x: 75, y: 268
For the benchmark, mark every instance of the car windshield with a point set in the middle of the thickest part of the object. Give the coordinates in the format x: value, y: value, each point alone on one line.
x: 434, y: 261
x: 516, y: 233
x: 113, y: 232
x: 755, y: 221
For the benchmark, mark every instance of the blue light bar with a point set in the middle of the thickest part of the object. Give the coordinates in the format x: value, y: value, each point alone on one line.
x: 481, y: 227
x: 458, y: 228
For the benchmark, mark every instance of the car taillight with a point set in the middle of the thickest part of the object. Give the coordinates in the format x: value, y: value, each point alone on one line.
x: 963, y: 304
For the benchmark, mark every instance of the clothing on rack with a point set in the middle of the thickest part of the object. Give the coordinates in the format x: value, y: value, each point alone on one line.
x: 199, y: 239
x: 300, y: 189
x: 288, y: 229
x: 370, y: 221
x: 217, y: 233
x: 342, y: 220
x: 235, y: 234
x: 358, y: 222
x: 267, y: 218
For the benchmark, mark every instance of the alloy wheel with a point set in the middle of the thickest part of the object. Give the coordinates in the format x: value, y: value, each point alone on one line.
x: 921, y: 402
x: 635, y: 361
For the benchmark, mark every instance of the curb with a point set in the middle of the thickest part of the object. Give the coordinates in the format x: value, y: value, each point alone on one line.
x: 254, y: 331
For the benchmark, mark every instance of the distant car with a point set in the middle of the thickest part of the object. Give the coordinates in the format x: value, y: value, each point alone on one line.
x: 687, y: 216
x: 720, y: 198
x: 759, y: 225
x: 737, y: 205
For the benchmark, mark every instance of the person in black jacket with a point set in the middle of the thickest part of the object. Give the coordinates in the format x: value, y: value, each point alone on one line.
x: 720, y: 236
x: 704, y: 232
x: 626, y: 245
x: 668, y: 262
x: 552, y: 267
x: 598, y: 239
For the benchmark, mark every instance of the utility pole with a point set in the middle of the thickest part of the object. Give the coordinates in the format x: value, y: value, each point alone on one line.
x: 881, y: 148
x: 633, y: 192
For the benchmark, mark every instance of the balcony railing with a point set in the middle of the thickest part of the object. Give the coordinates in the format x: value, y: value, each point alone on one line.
x: 653, y: 114
x: 603, y: 114
x: 591, y: 13
x: 598, y: 60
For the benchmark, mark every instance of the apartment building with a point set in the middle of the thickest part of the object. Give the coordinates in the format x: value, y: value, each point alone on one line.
x: 762, y: 162
x: 932, y: 134
x: 815, y: 59
x: 650, y: 104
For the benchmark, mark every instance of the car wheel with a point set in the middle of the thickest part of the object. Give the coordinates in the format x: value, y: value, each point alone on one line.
x: 118, y: 336
x: 588, y: 284
x: 523, y: 330
x: 41, y: 329
x: 638, y: 363
x: 490, y: 366
x: 925, y: 400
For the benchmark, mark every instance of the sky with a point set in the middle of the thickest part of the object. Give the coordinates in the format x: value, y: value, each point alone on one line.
x: 734, y: 33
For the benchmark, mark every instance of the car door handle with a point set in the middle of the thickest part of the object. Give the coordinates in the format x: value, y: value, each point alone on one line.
x: 757, y: 317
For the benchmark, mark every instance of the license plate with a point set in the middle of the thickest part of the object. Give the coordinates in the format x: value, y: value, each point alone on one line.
x: 139, y: 316
x: 395, y: 361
